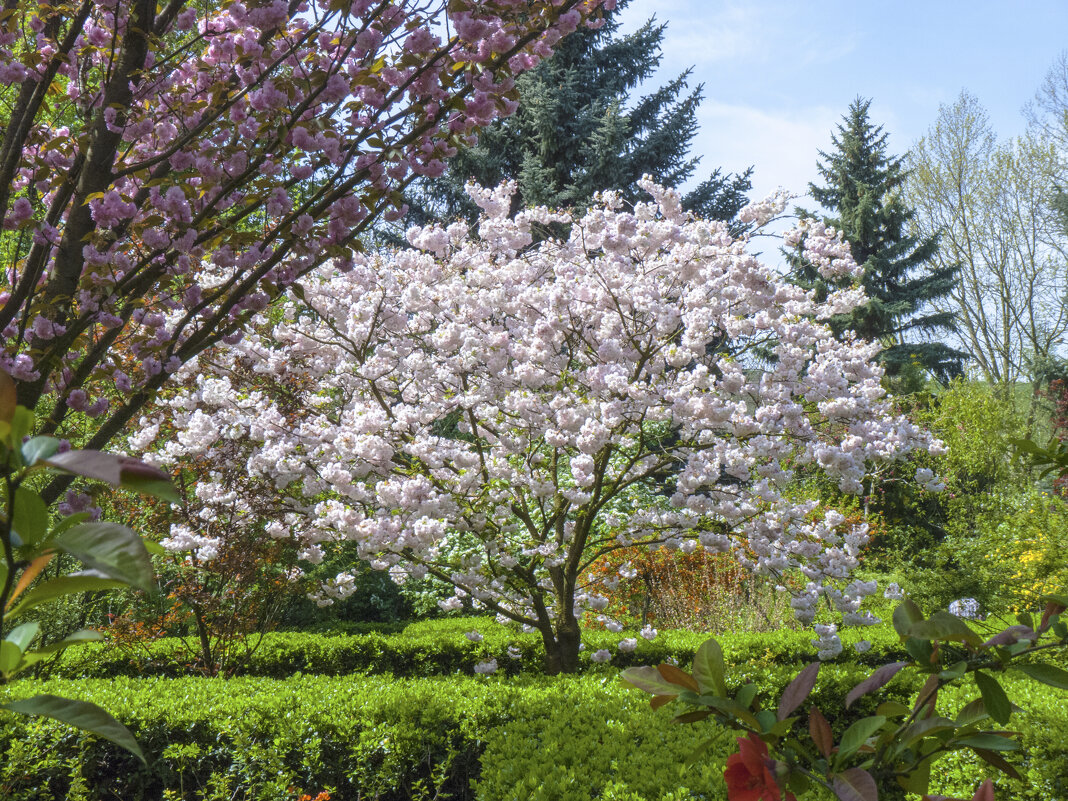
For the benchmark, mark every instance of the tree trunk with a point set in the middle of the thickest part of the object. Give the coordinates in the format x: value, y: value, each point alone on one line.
x: 562, y: 647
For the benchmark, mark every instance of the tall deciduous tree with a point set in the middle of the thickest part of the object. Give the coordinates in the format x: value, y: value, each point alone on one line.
x: 863, y: 191
x: 578, y: 131
x: 167, y: 169
x: 992, y: 203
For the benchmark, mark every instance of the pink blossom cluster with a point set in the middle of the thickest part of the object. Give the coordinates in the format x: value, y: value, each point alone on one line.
x: 180, y: 166
x: 500, y: 411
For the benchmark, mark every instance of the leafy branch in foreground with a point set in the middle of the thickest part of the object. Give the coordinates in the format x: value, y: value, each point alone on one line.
x: 886, y: 754
x: 112, y: 555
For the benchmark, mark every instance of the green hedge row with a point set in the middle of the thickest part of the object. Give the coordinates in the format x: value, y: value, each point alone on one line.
x: 531, y: 738
x: 439, y: 647
x: 551, y: 739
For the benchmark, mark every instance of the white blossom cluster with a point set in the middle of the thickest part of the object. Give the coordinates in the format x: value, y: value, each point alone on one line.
x: 496, y: 410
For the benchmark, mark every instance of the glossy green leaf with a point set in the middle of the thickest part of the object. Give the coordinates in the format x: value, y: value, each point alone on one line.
x: 1047, y: 674
x: 745, y: 695
x: 972, y: 713
x: 77, y: 638
x: 10, y: 657
x: 925, y: 728
x: 892, y: 709
x: 989, y: 742
x: 649, y: 680
x: 23, y: 635
x: 919, y: 650
x: 21, y: 426
x: 994, y: 698
x: 905, y: 616
x: 81, y: 715
x: 708, y: 668
x: 38, y: 448
x: 944, y: 626
x: 112, y: 549
x: 83, y: 581
x: 767, y: 719
x: 70, y: 521
x: 857, y: 734
x: 30, y: 518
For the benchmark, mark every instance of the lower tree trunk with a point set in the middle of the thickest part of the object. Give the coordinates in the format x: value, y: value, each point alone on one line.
x: 562, y: 647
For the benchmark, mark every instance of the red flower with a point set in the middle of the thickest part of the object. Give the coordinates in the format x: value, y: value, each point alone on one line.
x: 749, y: 776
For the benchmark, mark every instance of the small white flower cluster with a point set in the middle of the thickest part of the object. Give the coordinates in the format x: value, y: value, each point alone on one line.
x: 967, y: 608
x: 894, y: 592
x: 601, y: 655
x: 473, y: 636
x: 628, y: 644
x: 829, y: 644
x: 649, y: 633
x: 489, y: 666
x: 183, y: 539
x: 340, y: 587
x: 928, y: 480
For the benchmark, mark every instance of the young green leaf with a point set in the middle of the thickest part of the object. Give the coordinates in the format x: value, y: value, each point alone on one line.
x: 905, y: 615
x: 30, y: 516
x: 83, y: 581
x: 23, y: 635
x: 112, y: 550
x: 81, y: 715
x: 649, y: 680
x: 994, y: 698
x: 857, y: 734
x: 1047, y: 674
x: 989, y: 742
x: 944, y: 626
x: 708, y: 668
x: 38, y: 448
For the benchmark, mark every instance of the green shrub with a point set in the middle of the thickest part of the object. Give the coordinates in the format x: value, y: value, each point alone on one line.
x: 439, y: 647
x: 1044, y: 766
x: 532, y: 738
x: 355, y: 737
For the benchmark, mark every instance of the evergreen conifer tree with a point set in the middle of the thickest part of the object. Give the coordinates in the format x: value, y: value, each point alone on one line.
x: 863, y: 191
x: 575, y: 133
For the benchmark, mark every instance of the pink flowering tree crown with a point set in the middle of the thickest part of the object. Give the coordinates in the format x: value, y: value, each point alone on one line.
x: 500, y: 412
x: 166, y: 169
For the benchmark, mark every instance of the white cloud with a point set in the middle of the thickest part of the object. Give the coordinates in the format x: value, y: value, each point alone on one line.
x: 782, y: 145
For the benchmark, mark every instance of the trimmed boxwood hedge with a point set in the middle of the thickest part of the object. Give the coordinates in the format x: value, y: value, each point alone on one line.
x: 438, y: 647
x: 494, y: 738
x: 531, y: 738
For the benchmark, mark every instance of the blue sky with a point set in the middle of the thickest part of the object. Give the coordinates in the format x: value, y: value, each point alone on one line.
x: 778, y: 75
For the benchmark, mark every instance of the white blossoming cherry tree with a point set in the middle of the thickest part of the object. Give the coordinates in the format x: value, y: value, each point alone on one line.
x: 501, y: 411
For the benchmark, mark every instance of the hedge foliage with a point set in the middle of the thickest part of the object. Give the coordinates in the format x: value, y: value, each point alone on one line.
x: 439, y: 647
x: 531, y: 738
x: 552, y: 739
